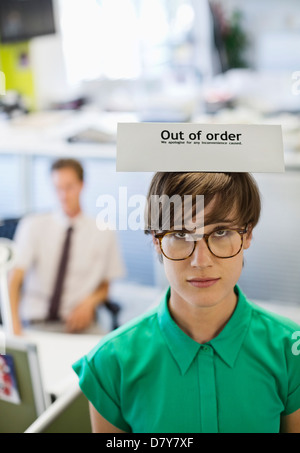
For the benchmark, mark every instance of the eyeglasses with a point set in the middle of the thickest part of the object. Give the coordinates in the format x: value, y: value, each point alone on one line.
x: 221, y: 242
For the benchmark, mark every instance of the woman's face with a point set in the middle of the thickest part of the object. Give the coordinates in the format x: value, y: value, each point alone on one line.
x: 203, y: 280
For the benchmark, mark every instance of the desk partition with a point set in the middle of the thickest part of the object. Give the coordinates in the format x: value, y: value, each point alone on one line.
x: 25, y: 399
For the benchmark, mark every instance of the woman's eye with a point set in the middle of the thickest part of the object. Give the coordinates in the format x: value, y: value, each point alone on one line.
x: 220, y: 233
x: 180, y: 235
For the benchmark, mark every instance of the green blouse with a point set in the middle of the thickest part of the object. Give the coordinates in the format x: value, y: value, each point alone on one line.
x: 150, y: 377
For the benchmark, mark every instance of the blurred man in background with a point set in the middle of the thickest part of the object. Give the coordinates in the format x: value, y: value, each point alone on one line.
x: 64, y: 263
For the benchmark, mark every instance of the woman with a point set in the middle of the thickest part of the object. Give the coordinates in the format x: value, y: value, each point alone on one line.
x: 206, y: 359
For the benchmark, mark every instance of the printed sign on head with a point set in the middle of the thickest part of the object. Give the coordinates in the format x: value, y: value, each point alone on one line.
x: 191, y: 147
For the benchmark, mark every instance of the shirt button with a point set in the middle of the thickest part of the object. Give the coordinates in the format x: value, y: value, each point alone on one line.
x: 205, y: 348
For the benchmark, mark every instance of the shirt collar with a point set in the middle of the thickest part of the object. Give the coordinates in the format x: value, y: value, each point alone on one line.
x: 66, y: 221
x: 227, y: 344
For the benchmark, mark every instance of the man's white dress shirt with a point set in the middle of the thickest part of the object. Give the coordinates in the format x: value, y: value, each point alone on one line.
x: 94, y: 257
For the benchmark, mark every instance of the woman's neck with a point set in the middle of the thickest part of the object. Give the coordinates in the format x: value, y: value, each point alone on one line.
x: 202, y: 324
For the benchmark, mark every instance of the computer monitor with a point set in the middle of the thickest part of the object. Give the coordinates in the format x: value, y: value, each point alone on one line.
x: 21, y: 20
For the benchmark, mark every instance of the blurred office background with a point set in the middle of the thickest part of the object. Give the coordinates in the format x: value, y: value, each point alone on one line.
x: 87, y: 64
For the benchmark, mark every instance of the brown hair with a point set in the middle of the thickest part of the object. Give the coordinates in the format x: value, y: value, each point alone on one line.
x: 229, y: 190
x: 69, y: 163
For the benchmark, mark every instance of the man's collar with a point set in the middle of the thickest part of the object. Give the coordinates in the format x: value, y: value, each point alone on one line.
x: 67, y: 221
x: 227, y: 344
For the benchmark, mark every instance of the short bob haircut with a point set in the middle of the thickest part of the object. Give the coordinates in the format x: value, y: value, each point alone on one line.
x: 233, y: 193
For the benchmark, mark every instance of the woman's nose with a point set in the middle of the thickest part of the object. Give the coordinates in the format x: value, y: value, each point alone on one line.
x: 201, y: 257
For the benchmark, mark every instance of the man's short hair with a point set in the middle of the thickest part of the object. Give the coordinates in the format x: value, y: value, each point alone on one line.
x: 69, y: 163
x: 235, y: 193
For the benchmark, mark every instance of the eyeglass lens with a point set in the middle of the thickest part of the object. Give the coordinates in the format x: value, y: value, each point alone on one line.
x: 222, y: 243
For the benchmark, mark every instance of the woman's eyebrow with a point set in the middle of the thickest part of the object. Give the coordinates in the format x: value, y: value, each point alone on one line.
x: 214, y: 226
x: 193, y: 227
x: 216, y: 222
x: 213, y: 222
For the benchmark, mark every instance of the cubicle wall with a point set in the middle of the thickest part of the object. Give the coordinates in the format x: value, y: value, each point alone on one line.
x: 25, y: 398
x: 69, y: 414
x: 24, y: 405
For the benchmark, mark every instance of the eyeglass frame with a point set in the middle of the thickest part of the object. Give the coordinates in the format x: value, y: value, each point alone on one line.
x: 241, y: 232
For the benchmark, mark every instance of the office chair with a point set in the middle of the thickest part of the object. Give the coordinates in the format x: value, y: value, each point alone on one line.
x: 8, y: 227
x: 114, y: 309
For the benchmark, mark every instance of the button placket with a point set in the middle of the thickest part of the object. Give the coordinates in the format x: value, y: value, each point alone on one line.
x: 207, y: 386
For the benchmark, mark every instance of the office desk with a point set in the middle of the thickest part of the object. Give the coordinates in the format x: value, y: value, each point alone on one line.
x: 57, y: 352
x: 47, y: 133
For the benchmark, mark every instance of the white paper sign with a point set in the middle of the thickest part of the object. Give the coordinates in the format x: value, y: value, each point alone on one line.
x: 199, y: 147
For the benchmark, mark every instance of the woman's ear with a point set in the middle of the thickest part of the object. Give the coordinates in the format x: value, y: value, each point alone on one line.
x: 248, y: 238
x: 156, y: 244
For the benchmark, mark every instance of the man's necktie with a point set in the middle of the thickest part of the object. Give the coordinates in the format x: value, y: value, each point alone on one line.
x: 61, y: 273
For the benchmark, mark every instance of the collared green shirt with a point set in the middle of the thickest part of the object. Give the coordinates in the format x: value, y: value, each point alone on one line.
x: 150, y: 377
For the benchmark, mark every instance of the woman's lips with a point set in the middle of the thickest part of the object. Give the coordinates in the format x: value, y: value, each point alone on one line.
x: 203, y: 282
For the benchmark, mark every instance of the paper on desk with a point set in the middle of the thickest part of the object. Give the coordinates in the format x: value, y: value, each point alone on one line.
x: 199, y: 147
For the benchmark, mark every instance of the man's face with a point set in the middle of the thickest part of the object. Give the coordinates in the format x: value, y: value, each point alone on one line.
x: 203, y: 280
x: 68, y: 188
